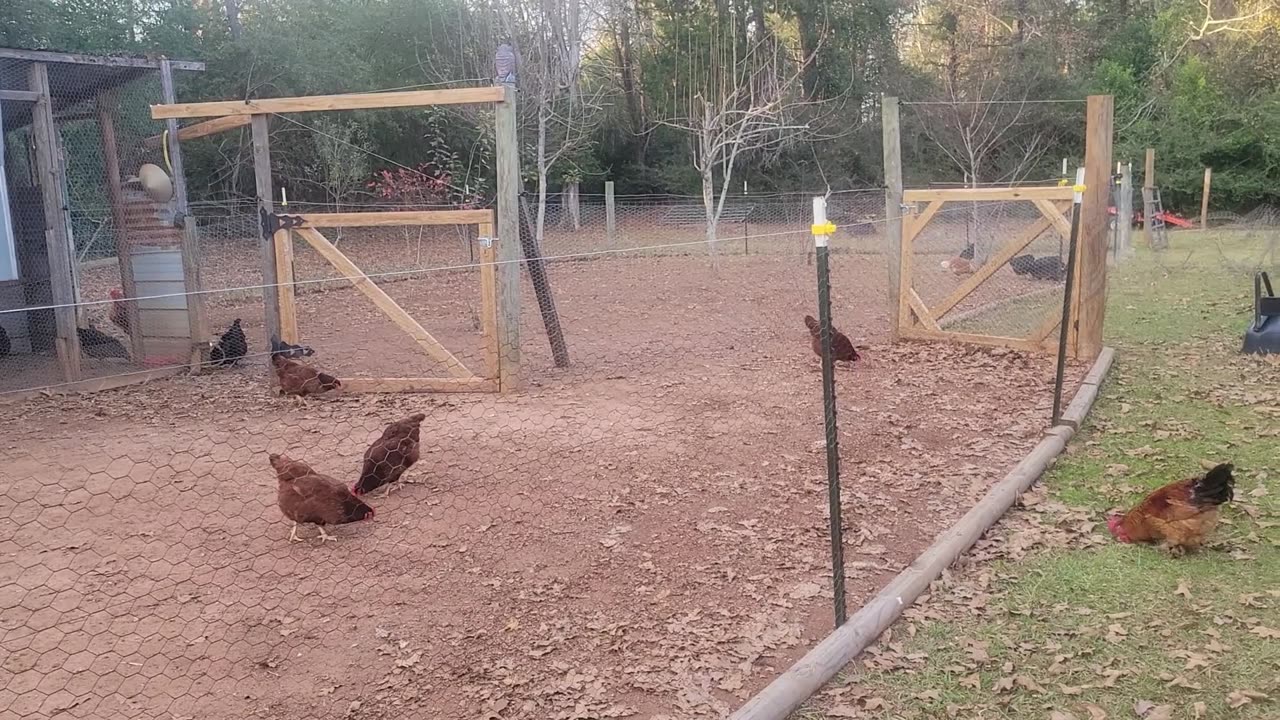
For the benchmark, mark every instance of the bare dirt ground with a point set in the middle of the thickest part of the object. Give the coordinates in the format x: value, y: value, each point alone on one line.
x: 641, y: 534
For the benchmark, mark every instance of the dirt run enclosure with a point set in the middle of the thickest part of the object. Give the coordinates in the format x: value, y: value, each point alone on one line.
x: 642, y: 533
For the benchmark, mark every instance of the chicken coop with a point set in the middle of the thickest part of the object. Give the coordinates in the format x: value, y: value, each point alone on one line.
x: 75, y: 225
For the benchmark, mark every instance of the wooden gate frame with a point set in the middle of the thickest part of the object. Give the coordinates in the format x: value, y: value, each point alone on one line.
x: 499, y: 268
x: 916, y: 320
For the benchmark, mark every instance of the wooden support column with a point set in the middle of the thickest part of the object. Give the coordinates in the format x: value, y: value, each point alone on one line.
x: 57, y: 238
x: 508, y: 239
x: 892, y: 146
x: 1204, y: 199
x: 610, y: 216
x: 266, y: 247
x: 1148, y: 196
x: 197, y: 319
x: 1092, y: 290
x: 115, y: 193
x: 489, y: 303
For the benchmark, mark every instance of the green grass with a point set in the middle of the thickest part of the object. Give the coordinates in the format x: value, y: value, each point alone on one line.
x: 1085, y: 627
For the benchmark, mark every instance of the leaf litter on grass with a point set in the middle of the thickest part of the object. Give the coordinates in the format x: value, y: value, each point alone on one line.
x: 1072, y: 625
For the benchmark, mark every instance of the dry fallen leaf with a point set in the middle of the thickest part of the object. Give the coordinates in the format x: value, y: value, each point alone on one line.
x: 1183, y: 589
x: 1265, y: 632
x: 1058, y: 715
x: 1095, y: 712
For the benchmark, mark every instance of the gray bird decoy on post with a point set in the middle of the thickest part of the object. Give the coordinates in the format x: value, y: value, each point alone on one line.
x: 504, y: 65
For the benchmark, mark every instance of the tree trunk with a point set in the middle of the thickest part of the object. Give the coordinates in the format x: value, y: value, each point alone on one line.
x: 635, y: 110
x: 808, y: 26
x: 234, y: 27
x: 541, y: 223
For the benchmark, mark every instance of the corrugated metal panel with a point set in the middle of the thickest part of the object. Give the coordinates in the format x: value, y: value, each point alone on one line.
x: 164, y: 324
x: 158, y: 266
x: 173, y: 288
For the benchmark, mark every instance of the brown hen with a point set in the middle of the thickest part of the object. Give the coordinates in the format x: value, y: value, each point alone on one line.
x: 1181, y: 515
x: 842, y: 347
x: 300, y: 379
x: 390, y: 455
x: 306, y: 496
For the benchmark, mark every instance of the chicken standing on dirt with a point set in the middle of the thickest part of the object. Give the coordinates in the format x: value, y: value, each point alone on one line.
x: 300, y: 379
x: 390, y: 455
x: 1181, y: 515
x: 306, y: 496
x: 842, y: 348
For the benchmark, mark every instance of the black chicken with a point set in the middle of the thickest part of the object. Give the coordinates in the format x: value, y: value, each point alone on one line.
x: 1049, y: 267
x: 97, y: 344
x: 289, y: 350
x: 231, y: 347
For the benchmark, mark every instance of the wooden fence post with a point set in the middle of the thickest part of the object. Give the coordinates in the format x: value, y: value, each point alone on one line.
x: 1148, y: 197
x: 196, y: 317
x: 1124, y: 213
x: 266, y: 246
x: 1204, y: 199
x: 1093, y: 226
x: 57, y: 239
x: 508, y: 251
x: 892, y: 148
x: 610, y: 215
x: 115, y: 195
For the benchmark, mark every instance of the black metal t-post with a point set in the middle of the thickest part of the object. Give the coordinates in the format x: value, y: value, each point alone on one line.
x: 822, y: 231
x: 1065, y: 332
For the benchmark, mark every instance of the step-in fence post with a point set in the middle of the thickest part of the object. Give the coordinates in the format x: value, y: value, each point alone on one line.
x: 822, y: 231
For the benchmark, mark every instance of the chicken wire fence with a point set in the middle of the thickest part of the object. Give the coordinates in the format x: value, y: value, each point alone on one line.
x: 58, y: 156
x: 643, y: 530
x: 961, y: 239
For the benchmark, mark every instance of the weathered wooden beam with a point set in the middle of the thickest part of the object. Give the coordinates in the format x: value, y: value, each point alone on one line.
x: 508, y: 238
x: 325, y: 103
x: 200, y: 129
x: 396, y: 218
x: 979, y: 194
x: 19, y: 95
x: 1094, y: 227
x: 106, y: 103
x: 197, y: 319
x: 895, y: 244
x: 47, y: 56
x: 266, y: 243
x: 57, y: 239
x: 489, y: 302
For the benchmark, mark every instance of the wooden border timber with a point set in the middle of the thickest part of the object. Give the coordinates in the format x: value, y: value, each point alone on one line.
x: 19, y: 96
x: 93, y: 385
x: 391, y: 219
x: 799, y: 682
x: 384, y: 302
x: 978, y: 194
x: 200, y: 129
x: 325, y: 103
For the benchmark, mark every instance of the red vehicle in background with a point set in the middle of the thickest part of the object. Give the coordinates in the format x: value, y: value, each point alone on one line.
x: 1169, y: 218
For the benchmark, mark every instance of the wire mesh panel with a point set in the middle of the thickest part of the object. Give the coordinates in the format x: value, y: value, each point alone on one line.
x: 987, y: 268
x: 70, y: 155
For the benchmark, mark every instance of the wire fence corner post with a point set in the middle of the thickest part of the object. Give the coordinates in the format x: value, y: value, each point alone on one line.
x: 1064, y: 333
x: 822, y: 230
